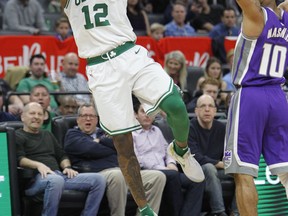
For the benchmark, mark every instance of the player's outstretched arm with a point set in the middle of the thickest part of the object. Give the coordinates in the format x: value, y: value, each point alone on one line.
x: 253, y: 18
x: 63, y: 3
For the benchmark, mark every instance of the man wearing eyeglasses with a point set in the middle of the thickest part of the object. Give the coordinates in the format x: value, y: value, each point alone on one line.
x: 206, y: 140
x: 91, y: 150
x: 209, y: 86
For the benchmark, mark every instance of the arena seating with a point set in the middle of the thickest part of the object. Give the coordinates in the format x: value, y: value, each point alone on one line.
x: 193, y: 74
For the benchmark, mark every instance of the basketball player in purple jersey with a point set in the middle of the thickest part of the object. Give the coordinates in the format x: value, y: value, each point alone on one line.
x: 258, y: 112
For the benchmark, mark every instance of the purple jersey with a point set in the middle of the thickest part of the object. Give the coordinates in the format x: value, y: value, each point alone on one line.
x: 262, y: 61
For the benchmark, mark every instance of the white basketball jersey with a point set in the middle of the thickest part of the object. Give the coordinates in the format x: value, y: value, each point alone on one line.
x: 99, y: 25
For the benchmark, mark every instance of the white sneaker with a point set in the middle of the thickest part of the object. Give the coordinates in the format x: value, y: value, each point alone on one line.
x: 190, y: 166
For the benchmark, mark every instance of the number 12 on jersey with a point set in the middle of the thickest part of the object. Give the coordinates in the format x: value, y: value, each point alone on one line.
x: 101, y: 12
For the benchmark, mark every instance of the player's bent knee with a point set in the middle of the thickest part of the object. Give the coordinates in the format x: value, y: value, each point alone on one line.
x: 173, y: 104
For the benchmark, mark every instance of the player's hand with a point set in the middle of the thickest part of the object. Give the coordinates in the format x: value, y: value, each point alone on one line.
x: 44, y: 170
x: 284, y: 5
x: 70, y: 172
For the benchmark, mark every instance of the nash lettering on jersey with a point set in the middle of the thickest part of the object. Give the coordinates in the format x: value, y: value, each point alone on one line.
x: 278, y: 32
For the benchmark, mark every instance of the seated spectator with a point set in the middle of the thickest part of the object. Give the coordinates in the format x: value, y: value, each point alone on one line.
x: 237, y: 9
x: 72, y: 80
x: 151, y: 150
x: 63, y: 30
x: 93, y: 151
x: 228, y: 77
x: 177, y: 26
x: 40, y: 94
x: 157, y: 31
x: 210, y: 87
x: 168, y: 9
x: 213, y: 69
x: 38, y: 76
x: 138, y: 17
x: 24, y: 15
x: 206, y: 140
x: 67, y: 105
x: 175, y: 66
x: 54, y: 6
x: 226, y: 28
x: 209, y: 17
x: 39, y: 150
x: 230, y: 3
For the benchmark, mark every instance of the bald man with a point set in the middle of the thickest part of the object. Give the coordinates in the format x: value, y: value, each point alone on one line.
x: 38, y: 149
x: 67, y: 105
x: 206, y: 140
x: 72, y: 80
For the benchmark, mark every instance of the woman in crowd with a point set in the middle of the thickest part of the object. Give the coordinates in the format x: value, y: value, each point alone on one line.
x: 175, y: 66
x: 214, y: 70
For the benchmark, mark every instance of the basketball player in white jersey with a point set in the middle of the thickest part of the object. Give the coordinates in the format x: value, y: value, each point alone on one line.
x: 116, y: 69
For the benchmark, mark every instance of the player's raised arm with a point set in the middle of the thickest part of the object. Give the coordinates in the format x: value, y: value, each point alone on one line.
x: 63, y: 3
x: 253, y: 18
x: 284, y: 5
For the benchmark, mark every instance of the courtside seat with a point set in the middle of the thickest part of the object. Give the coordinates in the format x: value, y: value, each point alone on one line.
x: 12, y: 124
x: 61, y: 124
x: 193, y: 74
